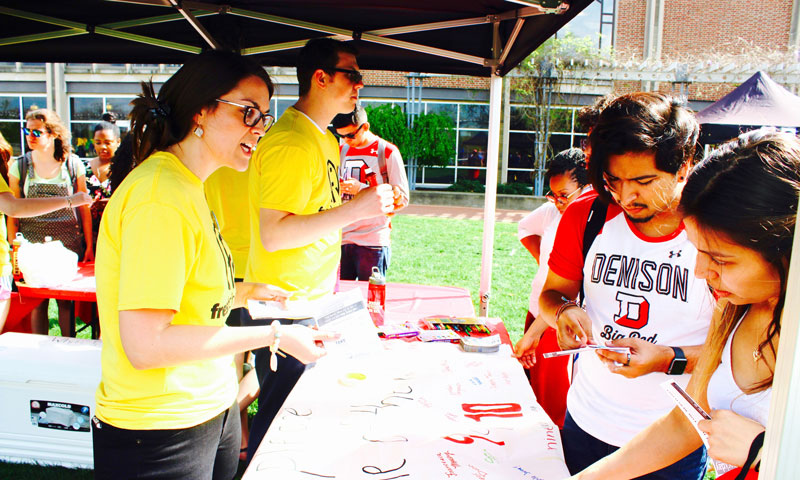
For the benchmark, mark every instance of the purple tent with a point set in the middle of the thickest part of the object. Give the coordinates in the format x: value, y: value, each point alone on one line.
x: 759, y: 101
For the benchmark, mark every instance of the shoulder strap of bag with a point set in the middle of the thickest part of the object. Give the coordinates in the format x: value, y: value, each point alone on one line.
x: 22, y: 163
x: 71, y: 172
x: 594, y: 223
x: 382, y: 160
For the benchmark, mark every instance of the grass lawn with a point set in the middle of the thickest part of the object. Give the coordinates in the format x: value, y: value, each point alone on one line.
x: 428, y: 251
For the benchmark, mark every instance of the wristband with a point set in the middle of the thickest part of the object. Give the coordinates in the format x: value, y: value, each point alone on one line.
x: 69, y: 202
x: 564, y: 306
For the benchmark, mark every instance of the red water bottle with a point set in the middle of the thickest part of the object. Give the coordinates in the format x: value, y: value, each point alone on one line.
x: 376, y: 297
x: 372, y: 178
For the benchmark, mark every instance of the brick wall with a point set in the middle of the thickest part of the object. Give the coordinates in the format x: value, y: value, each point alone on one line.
x: 629, y: 40
x: 380, y: 78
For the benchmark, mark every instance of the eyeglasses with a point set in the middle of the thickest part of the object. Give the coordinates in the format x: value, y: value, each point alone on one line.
x: 353, y: 75
x: 561, y: 199
x: 351, y: 135
x: 35, y: 133
x: 252, y: 115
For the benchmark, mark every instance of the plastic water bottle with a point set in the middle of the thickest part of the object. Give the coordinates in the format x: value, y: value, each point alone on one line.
x: 15, y: 244
x: 376, y: 297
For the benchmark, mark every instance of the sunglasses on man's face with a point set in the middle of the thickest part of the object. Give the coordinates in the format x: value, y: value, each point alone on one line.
x: 34, y: 133
x: 352, y: 134
x: 352, y: 75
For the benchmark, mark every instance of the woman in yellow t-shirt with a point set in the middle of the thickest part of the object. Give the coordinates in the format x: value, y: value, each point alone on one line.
x: 21, y: 207
x: 165, y: 281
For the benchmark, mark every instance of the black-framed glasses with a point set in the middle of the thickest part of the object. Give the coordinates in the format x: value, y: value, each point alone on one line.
x: 34, y: 133
x: 352, y: 75
x: 252, y: 115
x: 561, y: 199
x: 351, y: 135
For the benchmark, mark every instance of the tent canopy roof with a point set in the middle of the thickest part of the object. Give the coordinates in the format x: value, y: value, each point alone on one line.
x: 756, y: 102
x: 435, y: 36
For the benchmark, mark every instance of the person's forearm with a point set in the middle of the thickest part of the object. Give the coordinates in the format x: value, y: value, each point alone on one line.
x: 293, y: 231
x: 661, y: 444
x: 86, y: 220
x: 533, y: 244
x: 549, y: 303
x: 174, y: 345
x: 30, y: 207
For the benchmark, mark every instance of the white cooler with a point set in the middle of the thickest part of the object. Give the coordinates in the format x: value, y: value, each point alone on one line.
x: 47, y: 387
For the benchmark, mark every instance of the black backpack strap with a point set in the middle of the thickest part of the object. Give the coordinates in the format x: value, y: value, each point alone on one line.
x: 23, y: 163
x: 594, y: 223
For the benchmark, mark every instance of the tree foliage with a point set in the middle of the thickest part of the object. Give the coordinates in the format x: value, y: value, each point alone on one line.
x: 431, y: 141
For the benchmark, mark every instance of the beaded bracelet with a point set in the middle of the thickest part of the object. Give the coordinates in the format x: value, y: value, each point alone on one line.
x: 273, y: 349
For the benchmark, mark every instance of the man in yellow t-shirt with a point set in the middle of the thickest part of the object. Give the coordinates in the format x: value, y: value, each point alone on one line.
x: 296, y: 212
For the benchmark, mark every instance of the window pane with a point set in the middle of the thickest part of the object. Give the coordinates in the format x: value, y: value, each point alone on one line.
x: 444, y: 175
x: 13, y: 135
x: 559, y: 142
x: 119, y: 106
x: 523, y: 118
x: 560, y: 120
x: 478, y: 174
x: 83, y: 139
x: 524, y: 177
x: 521, y: 150
x: 472, y: 148
x: 86, y: 108
x: 449, y: 109
x: 474, y: 116
x: 9, y: 108
x: 33, y: 103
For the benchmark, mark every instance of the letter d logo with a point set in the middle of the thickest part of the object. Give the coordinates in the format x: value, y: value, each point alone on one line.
x: 634, y: 311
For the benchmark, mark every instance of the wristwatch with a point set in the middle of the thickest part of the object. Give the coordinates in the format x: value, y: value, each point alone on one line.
x: 678, y: 364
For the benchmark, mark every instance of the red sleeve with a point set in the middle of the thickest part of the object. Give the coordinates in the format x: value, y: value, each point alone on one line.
x: 566, y: 259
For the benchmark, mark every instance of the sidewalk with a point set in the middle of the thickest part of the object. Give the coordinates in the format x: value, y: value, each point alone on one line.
x: 460, y: 213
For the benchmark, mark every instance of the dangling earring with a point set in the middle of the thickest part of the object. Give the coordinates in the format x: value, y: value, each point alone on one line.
x: 198, y: 131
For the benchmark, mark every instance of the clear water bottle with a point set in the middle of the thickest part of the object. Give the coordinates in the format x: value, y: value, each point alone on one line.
x: 376, y: 297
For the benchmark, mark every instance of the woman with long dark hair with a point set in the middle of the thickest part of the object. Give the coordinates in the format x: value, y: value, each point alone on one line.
x: 166, y: 404
x: 740, y: 208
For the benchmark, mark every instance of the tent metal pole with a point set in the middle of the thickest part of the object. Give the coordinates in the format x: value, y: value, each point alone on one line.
x: 198, y: 27
x: 779, y: 459
x: 490, y: 195
x: 153, y: 20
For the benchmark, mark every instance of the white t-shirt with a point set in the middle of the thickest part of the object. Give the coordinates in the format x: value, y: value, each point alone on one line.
x: 375, y: 231
x: 636, y: 287
x: 543, y: 221
x: 724, y: 394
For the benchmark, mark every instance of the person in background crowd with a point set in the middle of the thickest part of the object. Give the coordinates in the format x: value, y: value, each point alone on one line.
x: 121, y: 164
x: 567, y: 177
x: 106, y: 142
x: 296, y: 213
x: 366, y: 244
x: 740, y: 207
x: 165, y: 281
x: 21, y: 207
x: 48, y: 170
x: 634, y: 272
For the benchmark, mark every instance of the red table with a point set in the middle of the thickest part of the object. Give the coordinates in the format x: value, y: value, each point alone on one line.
x: 81, y: 289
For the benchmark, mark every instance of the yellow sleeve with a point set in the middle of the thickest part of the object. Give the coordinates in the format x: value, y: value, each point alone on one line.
x: 285, y: 179
x: 4, y: 186
x: 157, y: 254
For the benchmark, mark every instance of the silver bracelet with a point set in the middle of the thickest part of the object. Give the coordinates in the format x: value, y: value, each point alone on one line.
x: 69, y: 202
x: 274, y: 348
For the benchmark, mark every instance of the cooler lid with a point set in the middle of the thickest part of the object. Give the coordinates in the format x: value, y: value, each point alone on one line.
x: 42, y: 359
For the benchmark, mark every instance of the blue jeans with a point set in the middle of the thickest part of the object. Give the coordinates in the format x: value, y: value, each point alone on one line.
x: 582, y: 450
x: 357, y: 261
x: 209, y: 451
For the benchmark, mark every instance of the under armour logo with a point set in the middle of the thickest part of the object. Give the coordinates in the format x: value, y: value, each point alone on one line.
x: 374, y: 151
x: 674, y: 254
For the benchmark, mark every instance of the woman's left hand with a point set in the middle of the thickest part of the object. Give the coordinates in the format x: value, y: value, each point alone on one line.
x: 88, y: 256
x: 729, y: 436
x: 259, y: 291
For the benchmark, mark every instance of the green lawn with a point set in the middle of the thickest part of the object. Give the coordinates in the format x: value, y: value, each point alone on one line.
x: 428, y: 251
